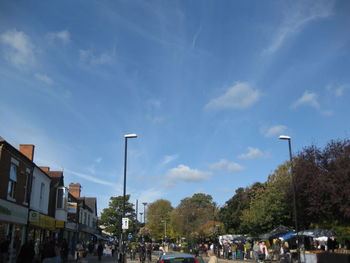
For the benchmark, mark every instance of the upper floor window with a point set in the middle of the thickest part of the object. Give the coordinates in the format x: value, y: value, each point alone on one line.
x: 42, y: 192
x: 61, y: 198
x: 26, y: 186
x: 11, y: 188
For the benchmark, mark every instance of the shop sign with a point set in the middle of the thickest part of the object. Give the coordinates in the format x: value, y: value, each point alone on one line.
x: 72, y: 208
x: 13, y: 213
x: 71, y: 225
x: 44, y: 221
x: 59, y: 224
x: 34, y: 216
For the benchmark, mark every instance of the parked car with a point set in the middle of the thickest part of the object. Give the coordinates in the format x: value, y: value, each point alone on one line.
x: 180, y: 258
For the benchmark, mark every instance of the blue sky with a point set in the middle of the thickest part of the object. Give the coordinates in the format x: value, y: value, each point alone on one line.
x: 207, y: 85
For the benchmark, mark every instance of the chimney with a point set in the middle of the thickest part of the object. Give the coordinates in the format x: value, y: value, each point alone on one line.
x: 45, y: 168
x: 75, y: 189
x: 27, y: 150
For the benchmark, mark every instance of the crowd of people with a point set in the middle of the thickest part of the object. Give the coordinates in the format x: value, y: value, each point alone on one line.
x: 257, y: 250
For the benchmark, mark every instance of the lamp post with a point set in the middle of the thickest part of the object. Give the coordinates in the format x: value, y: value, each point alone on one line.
x: 288, y: 138
x: 121, y: 244
x: 144, y: 212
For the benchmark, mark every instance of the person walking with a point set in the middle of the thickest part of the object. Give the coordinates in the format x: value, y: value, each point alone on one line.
x: 27, y: 253
x: 212, y: 257
x: 100, y: 251
x: 256, y: 250
x: 64, y: 251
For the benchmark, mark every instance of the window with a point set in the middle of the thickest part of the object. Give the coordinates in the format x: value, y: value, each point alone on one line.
x: 12, y: 181
x: 42, y: 192
x: 60, y: 196
x: 26, y: 187
x: 85, y: 218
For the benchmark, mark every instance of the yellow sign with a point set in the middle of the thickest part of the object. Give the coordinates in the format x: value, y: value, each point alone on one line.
x: 59, y: 224
x: 41, y: 220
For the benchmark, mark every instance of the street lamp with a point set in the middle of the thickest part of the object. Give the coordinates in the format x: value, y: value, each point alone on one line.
x: 289, y: 139
x: 144, y: 212
x: 121, y: 245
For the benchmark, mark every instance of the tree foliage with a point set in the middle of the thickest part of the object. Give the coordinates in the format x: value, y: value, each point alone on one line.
x: 157, y: 213
x: 231, y: 213
x: 323, y: 184
x: 111, y: 216
x: 192, y: 213
x: 271, y: 205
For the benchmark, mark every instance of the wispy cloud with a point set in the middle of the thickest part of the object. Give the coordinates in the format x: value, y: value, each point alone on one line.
x: 185, y: 174
x: 60, y: 36
x: 338, y: 90
x: 273, y: 131
x: 224, y: 164
x: 18, y: 48
x: 44, y: 78
x: 296, y: 18
x: 89, y: 57
x: 91, y: 178
x: 252, y: 153
x: 168, y: 159
x: 240, y: 96
x: 308, y: 99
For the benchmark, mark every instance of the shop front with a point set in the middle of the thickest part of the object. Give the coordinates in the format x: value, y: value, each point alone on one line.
x: 13, y: 220
x: 41, y: 227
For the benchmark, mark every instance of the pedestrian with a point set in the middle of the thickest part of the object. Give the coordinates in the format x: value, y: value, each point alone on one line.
x: 78, y: 251
x: 263, y: 250
x: 212, y: 257
x: 64, y: 251
x: 100, y: 251
x: 285, y: 253
x: 48, y: 253
x: 27, y: 253
x: 4, y: 248
x: 256, y: 250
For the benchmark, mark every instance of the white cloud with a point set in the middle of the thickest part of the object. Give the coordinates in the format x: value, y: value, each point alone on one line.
x: 224, y: 164
x: 297, y: 17
x: 88, y: 57
x: 274, y: 130
x: 91, y: 178
x: 309, y: 99
x: 253, y: 153
x: 186, y: 174
x: 44, y: 78
x: 18, y: 48
x: 240, y: 96
x: 61, y: 36
x: 338, y: 90
x: 169, y: 158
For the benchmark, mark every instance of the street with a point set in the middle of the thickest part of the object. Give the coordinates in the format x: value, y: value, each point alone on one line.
x: 109, y: 259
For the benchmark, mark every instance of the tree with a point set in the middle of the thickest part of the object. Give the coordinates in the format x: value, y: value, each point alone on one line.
x: 270, y: 205
x: 192, y: 213
x: 230, y: 214
x: 111, y: 216
x: 323, y: 184
x: 157, y: 213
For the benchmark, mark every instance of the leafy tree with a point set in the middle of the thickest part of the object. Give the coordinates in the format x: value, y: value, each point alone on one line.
x: 158, y: 212
x: 271, y: 205
x: 323, y: 184
x: 111, y: 216
x: 230, y: 214
x: 192, y: 213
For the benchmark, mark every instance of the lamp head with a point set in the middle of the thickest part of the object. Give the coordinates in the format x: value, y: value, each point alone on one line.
x: 131, y: 135
x: 284, y: 137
